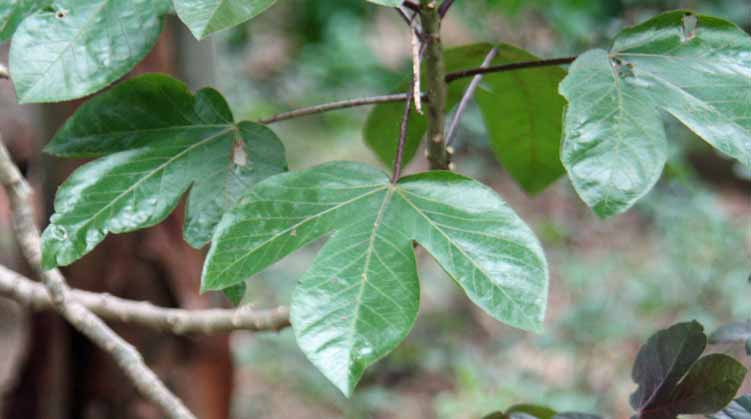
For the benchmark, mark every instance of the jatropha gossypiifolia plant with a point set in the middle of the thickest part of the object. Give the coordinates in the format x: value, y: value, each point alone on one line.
x: 154, y: 141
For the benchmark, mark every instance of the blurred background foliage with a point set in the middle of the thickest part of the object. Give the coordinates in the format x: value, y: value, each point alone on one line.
x: 682, y: 254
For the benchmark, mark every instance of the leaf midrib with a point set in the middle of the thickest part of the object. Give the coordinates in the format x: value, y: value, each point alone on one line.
x: 153, y: 172
x: 298, y: 224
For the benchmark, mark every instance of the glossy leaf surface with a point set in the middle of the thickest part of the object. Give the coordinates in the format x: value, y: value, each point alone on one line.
x: 360, y: 297
x: 80, y: 46
x: 693, y: 67
x: 13, y: 12
x: 521, y: 109
x: 156, y: 140
x: 204, y: 17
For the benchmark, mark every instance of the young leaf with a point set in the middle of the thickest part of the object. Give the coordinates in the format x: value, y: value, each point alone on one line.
x: 522, y: 112
x: 739, y: 408
x: 204, y: 17
x: 693, y: 67
x: 80, y: 46
x: 156, y: 140
x: 12, y: 12
x: 360, y: 297
x: 663, y: 360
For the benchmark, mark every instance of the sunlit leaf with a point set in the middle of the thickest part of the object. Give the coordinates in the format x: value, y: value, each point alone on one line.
x: 360, y: 298
x: 12, y: 12
x: 78, y: 47
x: 156, y: 140
x: 693, y: 67
x: 204, y: 17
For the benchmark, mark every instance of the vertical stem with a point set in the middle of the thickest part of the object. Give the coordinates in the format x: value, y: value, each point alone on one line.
x: 402, y: 136
x: 435, y: 73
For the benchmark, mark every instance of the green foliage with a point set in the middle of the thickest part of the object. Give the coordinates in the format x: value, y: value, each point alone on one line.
x: 155, y: 140
x: 360, y: 298
x: 692, y: 67
x: 78, y: 47
x: 390, y: 3
x: 12, y: 12
x: 521, y: 109
x: 205, y: 17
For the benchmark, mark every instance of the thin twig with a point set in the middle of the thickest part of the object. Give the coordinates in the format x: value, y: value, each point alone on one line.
x: 4, y: 74
x: 454, y: 125
x: 508, y: 67
x: 32, y: 294
x: 342, y: 104
x: 124, y: 354
x: 402, y: 138
x: 399, y: 97
x: 445, y: 6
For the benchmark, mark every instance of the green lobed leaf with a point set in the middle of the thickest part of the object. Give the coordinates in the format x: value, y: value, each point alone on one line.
x: 522, y: 112
x: 739, y: 408
x: 204, y: 17
x: 13, y: 12
x: 663, y: 360
x: 156, y: 140
x: 695, y: 68
x: 80, y: 46
x: 575, y: 415
x: 360, y: 297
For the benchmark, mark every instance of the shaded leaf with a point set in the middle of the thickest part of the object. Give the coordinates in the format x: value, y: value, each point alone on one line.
x: 709, y: 386
x: 360, y: 297
x: 12, y: 12
x: 235, y: 293
x: 739, y: 408
x: 81, y: 46
x: 693, y: 67
x: 156, y: 140
x: 663, y: 360
x: 204, y: 17
x: 522, y: 111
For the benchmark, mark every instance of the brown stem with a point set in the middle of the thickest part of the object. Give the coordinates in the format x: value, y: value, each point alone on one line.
x: 508, y: 67
x: 435, y: 85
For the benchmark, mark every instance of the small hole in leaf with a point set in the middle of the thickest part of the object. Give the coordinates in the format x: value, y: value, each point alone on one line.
x: 688, y: 25
x: 61, y: 13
